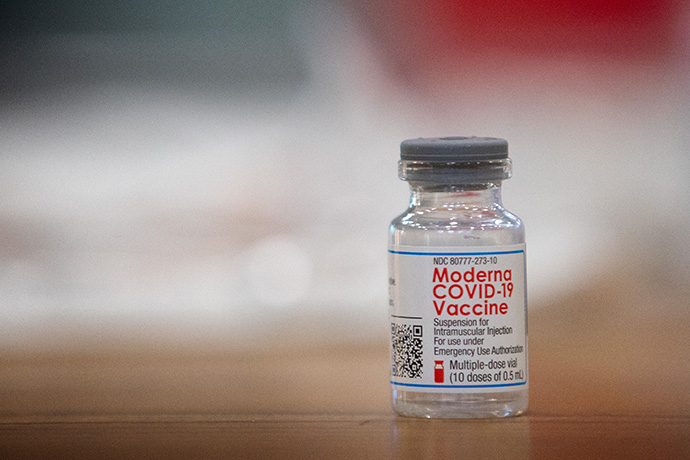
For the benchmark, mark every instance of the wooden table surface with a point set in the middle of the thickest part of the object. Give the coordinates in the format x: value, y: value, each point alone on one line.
x: 602, y: 385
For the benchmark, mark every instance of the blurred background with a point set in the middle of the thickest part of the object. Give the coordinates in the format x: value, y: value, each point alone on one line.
x: 223, y: 172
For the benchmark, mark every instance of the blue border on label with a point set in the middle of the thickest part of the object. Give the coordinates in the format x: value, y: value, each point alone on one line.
x: 411, y: 253
x: 458, y: 386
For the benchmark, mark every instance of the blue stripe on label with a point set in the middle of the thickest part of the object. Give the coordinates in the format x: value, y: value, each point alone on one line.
x: 410, y: 253
x: 457, y: 386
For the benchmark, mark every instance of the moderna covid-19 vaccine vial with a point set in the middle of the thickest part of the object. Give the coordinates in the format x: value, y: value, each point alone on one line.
x: 458, y: 300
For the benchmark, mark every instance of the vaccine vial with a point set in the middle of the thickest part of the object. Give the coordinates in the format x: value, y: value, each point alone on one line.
x: 457, y: 284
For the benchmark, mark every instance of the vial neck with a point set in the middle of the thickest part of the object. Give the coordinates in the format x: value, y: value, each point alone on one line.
x: 472, y: 196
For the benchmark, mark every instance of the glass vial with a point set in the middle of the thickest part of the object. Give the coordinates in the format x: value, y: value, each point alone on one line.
x: 457, y: 284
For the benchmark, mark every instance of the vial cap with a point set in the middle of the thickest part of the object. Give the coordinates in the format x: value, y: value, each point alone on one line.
x: 454, y: 160
x: 454, y: 149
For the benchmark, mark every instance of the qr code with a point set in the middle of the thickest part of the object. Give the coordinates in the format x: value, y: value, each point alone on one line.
x: 407, y: 350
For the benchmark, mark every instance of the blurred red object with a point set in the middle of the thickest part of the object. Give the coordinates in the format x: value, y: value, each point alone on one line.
x: 417, y: 33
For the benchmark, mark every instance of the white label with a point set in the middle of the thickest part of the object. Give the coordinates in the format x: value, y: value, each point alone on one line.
x: 458, y: 318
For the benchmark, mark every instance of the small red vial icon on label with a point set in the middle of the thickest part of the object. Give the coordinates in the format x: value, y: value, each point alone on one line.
x: 438, y: 371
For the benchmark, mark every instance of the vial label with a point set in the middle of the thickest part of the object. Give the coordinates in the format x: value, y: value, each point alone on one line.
x: 458, y: 318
